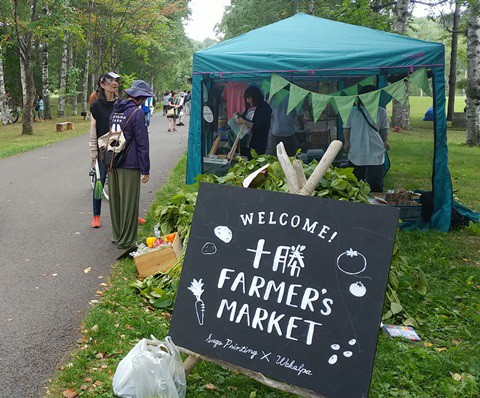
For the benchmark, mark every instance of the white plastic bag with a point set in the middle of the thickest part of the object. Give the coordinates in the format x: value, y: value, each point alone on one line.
x: 152, y: 368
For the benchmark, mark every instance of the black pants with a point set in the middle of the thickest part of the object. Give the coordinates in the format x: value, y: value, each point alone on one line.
x: 371, y: 174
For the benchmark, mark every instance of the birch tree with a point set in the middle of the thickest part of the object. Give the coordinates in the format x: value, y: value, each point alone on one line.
x: 400, y: 113
x: 45, y: 81
x: 24, y: 34
x: 63, y: 79
x: 473, y: 79
x: 3, y: 97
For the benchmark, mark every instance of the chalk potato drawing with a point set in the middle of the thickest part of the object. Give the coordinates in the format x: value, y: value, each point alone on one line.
x: 347, y: 354
x: 351, y: 262
x: 223, y: 233
x: 209, y: 248
x: 358, y: 289
x: 196, y: 287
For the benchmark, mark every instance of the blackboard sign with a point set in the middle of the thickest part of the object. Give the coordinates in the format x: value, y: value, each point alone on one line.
x: 286, y: 285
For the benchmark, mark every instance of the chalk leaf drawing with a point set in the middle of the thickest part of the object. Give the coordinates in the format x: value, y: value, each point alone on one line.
x: 196, y: 287
x: 209, y: 248
x: 358, y: 289
x: 351, y: 262
x: 223, y: 233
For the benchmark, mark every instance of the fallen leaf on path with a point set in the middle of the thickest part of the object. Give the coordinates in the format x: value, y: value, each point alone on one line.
x: 78, y: 233
x: 100, y: 276
x: 70, y: 393
x: 87, y: 270
x: 103, y: 284
x: 54, y: 274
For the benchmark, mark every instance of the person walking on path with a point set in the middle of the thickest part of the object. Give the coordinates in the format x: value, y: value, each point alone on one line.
x: 172, y: 111
x: 101, y: 108
x: 124, y: 181
x: 166, y: 97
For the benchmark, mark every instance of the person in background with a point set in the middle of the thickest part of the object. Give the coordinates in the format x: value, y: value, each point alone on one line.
x: 166, y: 97
x: 366, y: 142
x: 41, y: 107
x: 124, y: 181
x: 187, y: 103
x: 181, y: 110
x: 257, y: 118
x: 100, y: 109
x: 147, y: 110
x: 284, y: 127
x: 172, y: 107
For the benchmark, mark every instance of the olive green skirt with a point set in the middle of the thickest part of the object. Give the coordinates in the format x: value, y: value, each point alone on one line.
x: 124, y: 191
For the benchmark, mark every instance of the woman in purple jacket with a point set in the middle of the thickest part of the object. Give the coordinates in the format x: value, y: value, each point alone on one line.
x: 124, y: 181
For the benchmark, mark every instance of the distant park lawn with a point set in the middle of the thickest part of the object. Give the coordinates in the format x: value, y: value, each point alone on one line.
x: 12, y: 142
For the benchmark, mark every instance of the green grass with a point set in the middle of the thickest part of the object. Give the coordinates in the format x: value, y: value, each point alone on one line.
x: 12, y: 142
x: 445, y: 364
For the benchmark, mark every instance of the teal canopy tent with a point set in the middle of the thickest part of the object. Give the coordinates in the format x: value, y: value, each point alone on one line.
x: 306, y: 46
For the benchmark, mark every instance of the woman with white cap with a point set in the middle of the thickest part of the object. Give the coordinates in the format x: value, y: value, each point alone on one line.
x: 100, y: 108
x: 124, y: 181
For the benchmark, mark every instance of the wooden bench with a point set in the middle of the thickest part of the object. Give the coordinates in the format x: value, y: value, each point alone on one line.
x: 65, y: 126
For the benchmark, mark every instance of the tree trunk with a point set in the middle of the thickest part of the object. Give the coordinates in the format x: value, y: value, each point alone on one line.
x: 401, y: 114
x: 23, y: 80
x: 452, y: 78
x: 63, y: 79
x: 47, y: 114
x: 473, y: 86
x: 3, y: 104
x: 85, y: 82
x: 72, y: 85
x: 25, y: 47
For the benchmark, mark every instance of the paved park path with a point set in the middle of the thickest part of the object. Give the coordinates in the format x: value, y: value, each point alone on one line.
x: 46, y: 243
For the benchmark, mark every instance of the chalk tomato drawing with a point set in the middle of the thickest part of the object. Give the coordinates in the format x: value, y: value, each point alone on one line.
x: 358, y: 289
x: 351, y: 262
x: 223, y: 233
x: 209, y: 248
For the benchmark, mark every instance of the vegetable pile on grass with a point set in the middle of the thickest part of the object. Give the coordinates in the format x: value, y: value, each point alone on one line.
x: 177, y: 215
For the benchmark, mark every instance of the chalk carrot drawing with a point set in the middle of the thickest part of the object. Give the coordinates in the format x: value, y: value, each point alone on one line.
x: 196, y: 287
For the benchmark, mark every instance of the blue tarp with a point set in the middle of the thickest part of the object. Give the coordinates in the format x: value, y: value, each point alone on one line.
x: 317, y: 48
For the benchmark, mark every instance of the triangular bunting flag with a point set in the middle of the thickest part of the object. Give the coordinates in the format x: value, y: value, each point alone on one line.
x: 397, y: 91
x: 276, y: 84
x: 368, y: 81
x: 265, y: 86
x: 370, y: 101
x: 420, y: 79
x: 279, y: 97
x: 319, y: 103
x: 352, y: 90
x: 344, y: 106
x: 297, y: 95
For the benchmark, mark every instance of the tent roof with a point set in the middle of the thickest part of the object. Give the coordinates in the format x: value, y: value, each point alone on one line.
x: 304, y: 43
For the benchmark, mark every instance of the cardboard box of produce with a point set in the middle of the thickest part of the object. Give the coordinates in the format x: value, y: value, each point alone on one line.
x: 160, y: 260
